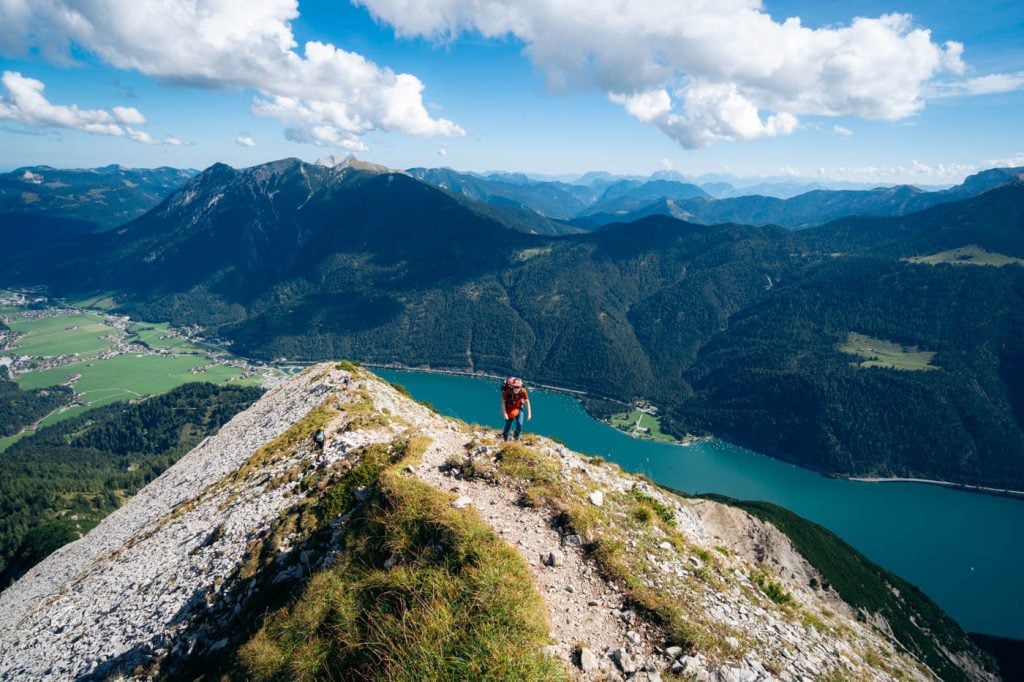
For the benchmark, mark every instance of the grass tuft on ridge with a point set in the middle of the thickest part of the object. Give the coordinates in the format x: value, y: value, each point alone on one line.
x: 421, y: 591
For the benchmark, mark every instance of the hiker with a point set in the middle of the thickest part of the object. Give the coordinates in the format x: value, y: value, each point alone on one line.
x: 513, y: 398
x: 320, y: 439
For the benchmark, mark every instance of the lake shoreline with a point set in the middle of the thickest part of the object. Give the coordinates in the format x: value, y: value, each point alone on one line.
x: 966, y: 487
x: 476, y: 375
x: 963, y: 487
x: 905, y: 529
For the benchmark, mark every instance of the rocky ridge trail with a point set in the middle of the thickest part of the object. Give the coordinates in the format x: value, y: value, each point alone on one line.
x: 170, y: 577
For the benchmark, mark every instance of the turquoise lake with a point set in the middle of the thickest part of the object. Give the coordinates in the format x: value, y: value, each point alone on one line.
x: 965, y: 550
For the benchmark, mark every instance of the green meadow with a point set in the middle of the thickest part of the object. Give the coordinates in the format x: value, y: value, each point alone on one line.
x: 967, y: 255
x: 880, y: 353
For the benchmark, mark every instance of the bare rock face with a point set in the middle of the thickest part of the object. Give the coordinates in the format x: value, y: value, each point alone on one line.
x: 122, y: 587
x: 160, y: 579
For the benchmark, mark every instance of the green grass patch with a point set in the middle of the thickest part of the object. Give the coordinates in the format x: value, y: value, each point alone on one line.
x: 456, y: 603
x: 887, y: 354
x: 527, y: 254
x: 967, y: 255
x: 539, y: 475
x: 654, y: 506
x: 773, y: 590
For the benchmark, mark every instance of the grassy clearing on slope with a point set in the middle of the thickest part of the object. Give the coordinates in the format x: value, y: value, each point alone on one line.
x: 421, y: 591
x: 966, y: 255
x: 886, y: 354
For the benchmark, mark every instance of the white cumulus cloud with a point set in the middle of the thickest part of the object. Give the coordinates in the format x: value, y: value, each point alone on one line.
x: 23, y: 100
x: 705, y: 70
x: 129, y: 116
x: 841, y: 131
x: 328, y: 95
x: 245, y: 141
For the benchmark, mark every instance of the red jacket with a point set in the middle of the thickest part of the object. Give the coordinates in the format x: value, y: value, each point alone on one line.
x: 513, y: 402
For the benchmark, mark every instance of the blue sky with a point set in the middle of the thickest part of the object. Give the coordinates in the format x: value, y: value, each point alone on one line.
x: 867, y: 90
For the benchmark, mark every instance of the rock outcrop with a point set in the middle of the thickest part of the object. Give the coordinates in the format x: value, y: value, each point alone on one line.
x: 638, y: 583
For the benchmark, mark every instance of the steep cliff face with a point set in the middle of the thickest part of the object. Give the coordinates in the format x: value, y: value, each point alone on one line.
x: 413, y: 543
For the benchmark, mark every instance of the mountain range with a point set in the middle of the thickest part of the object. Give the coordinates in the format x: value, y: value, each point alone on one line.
x: 38, y: 202
x: 764, y: 335
x: 597, y: 199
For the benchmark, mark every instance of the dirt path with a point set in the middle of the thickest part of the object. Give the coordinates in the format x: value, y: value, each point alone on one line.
x: 584, y: 610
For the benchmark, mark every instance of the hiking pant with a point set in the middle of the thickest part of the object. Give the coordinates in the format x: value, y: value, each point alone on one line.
x: 518, y: 419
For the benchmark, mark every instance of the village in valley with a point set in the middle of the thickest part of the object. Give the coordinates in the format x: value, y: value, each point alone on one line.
x: 106, y: 357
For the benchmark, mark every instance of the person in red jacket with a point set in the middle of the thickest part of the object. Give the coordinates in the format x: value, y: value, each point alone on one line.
x: 513, y: 399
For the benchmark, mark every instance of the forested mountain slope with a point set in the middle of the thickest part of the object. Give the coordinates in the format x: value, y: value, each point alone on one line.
x: 764, y: 335
x: 40, y: 202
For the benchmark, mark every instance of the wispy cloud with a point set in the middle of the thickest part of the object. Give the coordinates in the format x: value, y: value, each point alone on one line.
x: 1015, y: 161
x: 325, y: 95
x: 842, y: 131
x: 991, y: 84
x: 244, y: 140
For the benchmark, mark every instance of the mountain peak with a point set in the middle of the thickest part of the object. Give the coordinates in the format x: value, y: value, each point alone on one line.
x: 350, y: 161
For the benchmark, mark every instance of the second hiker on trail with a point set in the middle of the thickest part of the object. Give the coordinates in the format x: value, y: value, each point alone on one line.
x: 513, y: 399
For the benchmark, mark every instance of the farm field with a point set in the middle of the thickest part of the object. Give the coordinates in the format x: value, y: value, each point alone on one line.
x: 129, y: 376
x: 63, y: 335
x: 157, y: 335
x: 106, y: 370
x: 886, y: 354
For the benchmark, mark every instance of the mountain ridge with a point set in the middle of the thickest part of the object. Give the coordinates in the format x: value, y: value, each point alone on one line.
x: 184, y: 577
